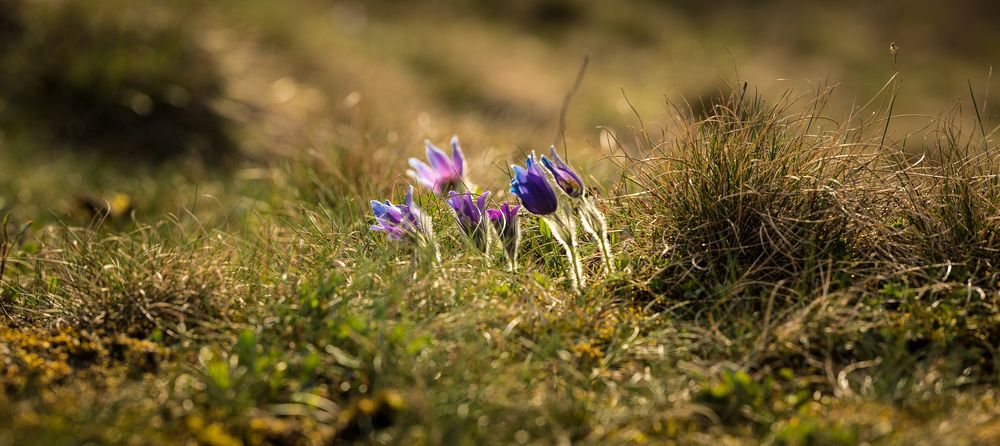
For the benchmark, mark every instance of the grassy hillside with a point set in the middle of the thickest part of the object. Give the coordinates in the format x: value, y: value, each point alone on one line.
x: 186, y: 254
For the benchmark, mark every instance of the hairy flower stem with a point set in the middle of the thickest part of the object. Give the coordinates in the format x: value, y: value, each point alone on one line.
x: 436, y: 259
x: 597, y: 226
x: 425, y: 246
x: 509, y: 247
x: 564, y: 229
x: 426, y: 251
x: 511, y: 261
x: 480, y: 242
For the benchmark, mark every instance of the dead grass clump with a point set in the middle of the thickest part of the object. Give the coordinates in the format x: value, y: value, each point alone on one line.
x: 755, y: 192
x: 825, y: 249
x: 949, y: 208
x: 153, y: 279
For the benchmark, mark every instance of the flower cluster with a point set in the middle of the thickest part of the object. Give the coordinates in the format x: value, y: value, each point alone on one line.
x: 592, y: 218
x: 533, y: 188
x: 560, y: 207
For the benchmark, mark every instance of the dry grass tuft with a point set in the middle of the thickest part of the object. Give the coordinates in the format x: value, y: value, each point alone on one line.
x: 153, y: 279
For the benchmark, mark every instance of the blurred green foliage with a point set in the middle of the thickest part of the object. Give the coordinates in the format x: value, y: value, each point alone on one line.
x: 111, y: 77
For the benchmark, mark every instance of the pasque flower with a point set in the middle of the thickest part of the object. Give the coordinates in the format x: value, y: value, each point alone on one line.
x: 404, y: 222
x: 593, y: 220
x: 470, y: 213
x: 532, y: 187
x: 565, y: 177
x: 443, y: 174
x: 508, y: 228
x: 396, y: 221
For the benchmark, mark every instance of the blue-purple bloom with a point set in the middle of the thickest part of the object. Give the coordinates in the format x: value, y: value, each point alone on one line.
x: 470, y: 214
x: 399, y: 222
x: 591, y: 217
x: 443, y: 174
x: 507, y: 226
x: 565, y: 177
x: 533, y: 188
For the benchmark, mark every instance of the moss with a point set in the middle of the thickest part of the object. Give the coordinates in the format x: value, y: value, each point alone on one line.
x: 38, y: 359
x: 211, y: 434
x: 367, y: 414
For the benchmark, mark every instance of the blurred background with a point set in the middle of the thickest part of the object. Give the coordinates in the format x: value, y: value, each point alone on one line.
x: 146, y: 106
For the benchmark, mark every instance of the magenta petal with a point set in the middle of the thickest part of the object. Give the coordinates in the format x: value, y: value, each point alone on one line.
x: 423, y: 174
x: 457, y: 158
x: 421, y: 167
x: 439, y: 161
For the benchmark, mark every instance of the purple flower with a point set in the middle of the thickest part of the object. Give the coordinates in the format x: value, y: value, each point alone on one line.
x: 505, y: 222
x: 565, y: 177
x: 443, y: 174
x: 533, y: 188
x: 470, y: 214
x: 399, y: 222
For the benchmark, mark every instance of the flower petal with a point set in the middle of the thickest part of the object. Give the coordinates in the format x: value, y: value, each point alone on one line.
x: 457, y: 158
x: 423, y: 174
x: 378, y: 208
x: 453, y: 200
x: 519, y: 173
x: 409, y: 197
x: 481, y: 202
x: 439, y: 161
x: 565, y: 177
